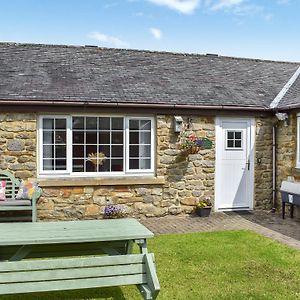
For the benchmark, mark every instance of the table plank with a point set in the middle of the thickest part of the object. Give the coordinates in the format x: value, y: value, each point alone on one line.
x: 72, y: 232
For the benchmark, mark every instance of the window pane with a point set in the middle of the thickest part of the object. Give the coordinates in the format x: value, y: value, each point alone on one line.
x: 60, y: 152
x: 145, y: 124
x: 133, y: 151
x: 238, y: 144
x: 104, y: 123
x: 90, y: 167
x: 48, y: 151
x: 78, y: 122
x: 238, y: 135
x: 78, y: 151
x: 48, y: 164
x: 91, y: 149
x: 117, y: 165
x: 133, y: 164
x: 145, y: 151
x: 145, y: 138
x: 117, y: 123
x: 60, y: 137
x: 91, y: 123
x: 104, y: 137
x: 134, y: 124
x: 60, y: 123
x: 145, y: 164
x: 78, y: 165
x: 48, y: 137
x: 60, y: 164
x: 117, y: 151
x: 91, y: 137
x: 230, y: 135
x: 230, y: 143
x: 78, y: 137
x: 48, y: 123
x: 133, y: 137
x: 105, y: 167
x: 117, y: 137
x: 105, y: 150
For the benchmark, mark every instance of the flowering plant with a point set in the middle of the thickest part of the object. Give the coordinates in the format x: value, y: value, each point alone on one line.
x: 191, y: 144
x: 112, y: 211
x: 188, y: 140
x: 204, y: 203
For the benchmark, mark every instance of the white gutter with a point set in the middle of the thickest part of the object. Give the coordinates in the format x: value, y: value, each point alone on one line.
x: 285, y: 89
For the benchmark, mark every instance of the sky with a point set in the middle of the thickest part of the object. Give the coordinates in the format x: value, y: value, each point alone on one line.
x: 265, y: 29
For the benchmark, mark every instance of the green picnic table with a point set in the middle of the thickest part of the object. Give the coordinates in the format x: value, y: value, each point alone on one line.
x: 51, y: 256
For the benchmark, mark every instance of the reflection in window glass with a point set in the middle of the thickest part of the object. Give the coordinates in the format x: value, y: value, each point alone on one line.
x: 139, y: 144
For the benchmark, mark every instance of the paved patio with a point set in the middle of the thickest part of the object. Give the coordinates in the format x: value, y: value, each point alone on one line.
x: 266, y: 223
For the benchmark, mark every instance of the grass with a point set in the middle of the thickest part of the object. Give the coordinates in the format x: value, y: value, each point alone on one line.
x: 217, y: 265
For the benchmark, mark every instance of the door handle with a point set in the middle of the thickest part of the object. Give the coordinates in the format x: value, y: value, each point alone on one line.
x: 248, y: 164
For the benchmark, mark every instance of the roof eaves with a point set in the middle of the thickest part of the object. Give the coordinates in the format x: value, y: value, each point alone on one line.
x: 285, y: 89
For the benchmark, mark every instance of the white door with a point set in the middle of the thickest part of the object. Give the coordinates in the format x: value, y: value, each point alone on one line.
x: 234, y: 163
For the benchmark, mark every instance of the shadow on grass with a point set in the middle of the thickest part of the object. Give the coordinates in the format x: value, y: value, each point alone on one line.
x: 114, y: 293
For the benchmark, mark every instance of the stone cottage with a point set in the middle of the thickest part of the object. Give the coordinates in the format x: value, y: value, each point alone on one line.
x: 98, y: 126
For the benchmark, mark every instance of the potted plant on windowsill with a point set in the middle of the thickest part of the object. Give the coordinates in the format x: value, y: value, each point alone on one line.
x: 203, y: 207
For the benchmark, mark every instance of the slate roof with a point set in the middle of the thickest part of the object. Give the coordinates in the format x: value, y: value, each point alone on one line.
x: 292, y: 98
x: 100, y: 75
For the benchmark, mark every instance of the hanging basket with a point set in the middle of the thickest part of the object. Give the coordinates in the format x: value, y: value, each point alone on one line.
x: 191, y: 150
x: 194, y: 149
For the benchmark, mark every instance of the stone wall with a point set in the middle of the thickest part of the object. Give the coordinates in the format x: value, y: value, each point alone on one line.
x: 18, y: 144
x: 286, y: 154
x: 187, y: 178
x: 263, y: 163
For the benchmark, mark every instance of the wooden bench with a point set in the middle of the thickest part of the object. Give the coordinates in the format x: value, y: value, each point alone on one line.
x: 79, y: 273
x: 11, y: 204
x: 51, y: 256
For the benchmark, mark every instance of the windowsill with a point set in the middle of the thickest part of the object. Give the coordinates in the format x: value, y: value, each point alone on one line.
x: 85, y: 181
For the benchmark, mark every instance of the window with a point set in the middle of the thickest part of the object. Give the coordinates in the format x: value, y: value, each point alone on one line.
x: 76, y: 145
x: 234, y: 139
x: 298, y: 142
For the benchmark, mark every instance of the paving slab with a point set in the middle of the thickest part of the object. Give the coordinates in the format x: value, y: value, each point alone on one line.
x: 269, y: 224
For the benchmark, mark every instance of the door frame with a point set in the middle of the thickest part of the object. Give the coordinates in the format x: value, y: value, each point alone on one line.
x: 218, y: 149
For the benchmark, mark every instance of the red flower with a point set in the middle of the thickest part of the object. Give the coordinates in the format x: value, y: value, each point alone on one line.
x: 192, y: 137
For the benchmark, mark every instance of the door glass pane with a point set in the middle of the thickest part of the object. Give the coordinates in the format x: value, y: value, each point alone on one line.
x: 234, y: 139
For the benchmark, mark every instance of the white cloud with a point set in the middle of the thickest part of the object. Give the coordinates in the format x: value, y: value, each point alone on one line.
x: 182, y: 6
x: 156, y: 33
x: 226, y: 4
x: 107, y: 39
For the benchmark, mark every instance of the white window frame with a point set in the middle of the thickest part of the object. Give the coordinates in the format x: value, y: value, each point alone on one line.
x: 69, y: 172
x: 226, y: 140
x: 298, y: 142
x: 127, y: 170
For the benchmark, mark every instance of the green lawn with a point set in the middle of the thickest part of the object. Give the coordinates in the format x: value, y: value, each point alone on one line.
x: 218, y: 265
